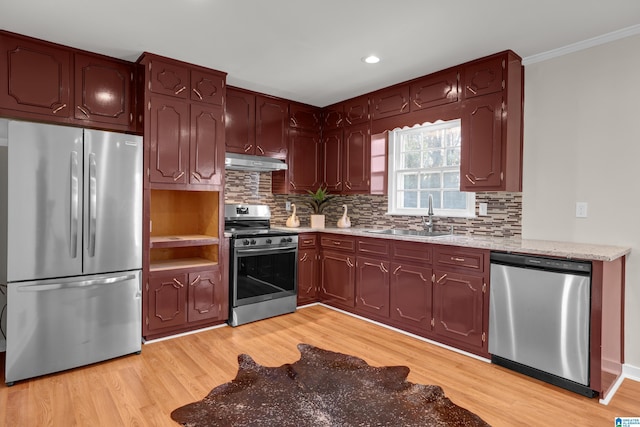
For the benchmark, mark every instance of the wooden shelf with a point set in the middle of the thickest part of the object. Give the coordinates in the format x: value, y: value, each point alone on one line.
x: 182, y: 263
x: 183, y: 240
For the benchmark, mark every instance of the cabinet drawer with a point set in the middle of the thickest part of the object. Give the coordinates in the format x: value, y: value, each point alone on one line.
x: 463, y: 258
x: 410, y: 251
x: 373, y: 246
x: 337, y: 242
x: 307, y: 241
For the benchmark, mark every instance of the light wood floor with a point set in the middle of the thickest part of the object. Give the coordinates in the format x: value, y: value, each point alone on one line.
x: 142, y: 390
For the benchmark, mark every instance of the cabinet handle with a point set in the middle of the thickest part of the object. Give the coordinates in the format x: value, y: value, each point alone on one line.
x: 444, y: 276
x: 195, y: 176
x: 197, y: 93
x: 179, y: 176
x: 347, y: 120
x: 196, y: 280
x: 470, y: 179
x: 130, y: 117
x: 417, y: 104
x: 293, y: 122
x: 260, y: 148
x: 83, y: 112
x: 383, y: 268
x: 307, y: 242
x: 335, y: 242
x: 304, y: 258
x: 249, y: 147
x: 180, y: 90
x: 457, y: 259
x: 59, y: 108
x: 404, y: 106
x: 339, y: 121
x: 177, y: 282
x: 433, y: 322
x: 470, y: 89
x: 349, y: 263
x: 293, y: 185
x: 346, y: 184
x: 338, y: 184
x: 395, y: 272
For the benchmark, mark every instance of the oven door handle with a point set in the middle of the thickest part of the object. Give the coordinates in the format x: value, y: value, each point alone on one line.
x: 243, y: 251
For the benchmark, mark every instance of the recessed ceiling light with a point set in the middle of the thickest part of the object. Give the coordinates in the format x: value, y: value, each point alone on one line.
x: 371, y: 59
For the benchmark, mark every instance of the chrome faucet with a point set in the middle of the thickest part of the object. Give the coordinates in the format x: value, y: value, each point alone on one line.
x: 428, y: 225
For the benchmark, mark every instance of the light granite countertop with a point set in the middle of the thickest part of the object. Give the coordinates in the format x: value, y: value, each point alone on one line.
x: 571, y: 250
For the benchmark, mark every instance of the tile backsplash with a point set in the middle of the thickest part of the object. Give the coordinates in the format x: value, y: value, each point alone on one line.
x: 503, y: 219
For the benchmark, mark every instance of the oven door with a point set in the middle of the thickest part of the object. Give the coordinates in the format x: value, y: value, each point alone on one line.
x: 261, y: 274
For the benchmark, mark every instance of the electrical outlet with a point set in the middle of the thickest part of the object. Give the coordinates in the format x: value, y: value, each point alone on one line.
x: 287, y: 205
x: 482, y: 209
x: 581, y: 209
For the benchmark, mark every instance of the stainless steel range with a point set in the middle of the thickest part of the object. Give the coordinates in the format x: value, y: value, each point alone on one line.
x: 263, y: 265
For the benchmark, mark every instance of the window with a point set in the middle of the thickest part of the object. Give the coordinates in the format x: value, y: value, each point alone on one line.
x: 425, y: 160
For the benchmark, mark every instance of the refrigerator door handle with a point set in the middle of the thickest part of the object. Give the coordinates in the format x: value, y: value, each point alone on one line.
x: 93, y: 200
x: 76, y: 284
x: 75, y: 208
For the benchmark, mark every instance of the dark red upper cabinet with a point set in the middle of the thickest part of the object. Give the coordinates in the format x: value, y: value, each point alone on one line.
x: 333, y: 116
x: 356, y: 173
x: 272, y: 125
x: 207, y: 87
x: 332, y: 160
x: 103, y: 90
x: 206, y: 147
x: 240, y: 121
x: 356, y: 111
x: 484, y: 77
x: 35, y: 77
x: 168, y: 78
x: 434, y: 89
x: 304, y: 117
x: 390, y: 102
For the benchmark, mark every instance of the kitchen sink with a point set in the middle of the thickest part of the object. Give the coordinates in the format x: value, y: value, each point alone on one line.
x: 400, y: 232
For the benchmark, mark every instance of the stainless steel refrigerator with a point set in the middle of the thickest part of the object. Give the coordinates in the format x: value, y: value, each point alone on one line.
x: 71, y: 253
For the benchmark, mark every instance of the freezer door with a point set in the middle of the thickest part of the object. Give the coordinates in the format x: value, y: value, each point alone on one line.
x: 59, y: 324
x: 44, y: 215
x: 112, y: 202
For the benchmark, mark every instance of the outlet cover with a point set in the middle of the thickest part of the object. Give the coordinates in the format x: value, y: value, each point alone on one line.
x: 482, y: 209
x: 287, y: 206
x: 581, y: 209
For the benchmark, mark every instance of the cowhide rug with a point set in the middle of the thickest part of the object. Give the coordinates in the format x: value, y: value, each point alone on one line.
x: 324, y: 388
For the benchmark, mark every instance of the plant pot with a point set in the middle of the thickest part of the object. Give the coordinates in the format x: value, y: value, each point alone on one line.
x: 317, y: 221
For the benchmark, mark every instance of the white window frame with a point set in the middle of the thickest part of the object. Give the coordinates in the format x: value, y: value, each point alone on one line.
x: 394, y: 150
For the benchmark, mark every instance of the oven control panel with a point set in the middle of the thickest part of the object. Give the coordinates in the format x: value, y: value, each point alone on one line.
x: 268, y: 241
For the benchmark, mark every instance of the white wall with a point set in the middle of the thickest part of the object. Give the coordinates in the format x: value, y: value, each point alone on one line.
x: 582, y: 143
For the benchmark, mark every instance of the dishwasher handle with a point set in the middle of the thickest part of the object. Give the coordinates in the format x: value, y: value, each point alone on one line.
x: 582, y: 268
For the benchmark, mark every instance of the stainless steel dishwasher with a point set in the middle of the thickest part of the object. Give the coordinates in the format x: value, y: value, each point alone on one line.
x: 539, y: 318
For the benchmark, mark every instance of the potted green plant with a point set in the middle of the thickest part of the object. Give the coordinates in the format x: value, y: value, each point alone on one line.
x: 319, y: 201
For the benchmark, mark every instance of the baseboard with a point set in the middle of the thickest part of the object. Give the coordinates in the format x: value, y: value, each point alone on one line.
x: 631, y: 372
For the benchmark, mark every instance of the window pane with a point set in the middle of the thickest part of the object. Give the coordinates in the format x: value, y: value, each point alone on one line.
x: 430, y: 180
x: 451, y: 179
x: 411, y: 143
x: 434, y: 159
x: 408, y: 181
x: 424, y: 199
x: 455, y: 200
x: 411, y: 160
x: 453, y: 156
x: 409, y: 199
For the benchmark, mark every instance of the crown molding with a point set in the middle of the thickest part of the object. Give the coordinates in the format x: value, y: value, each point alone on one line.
x: 585, y: 44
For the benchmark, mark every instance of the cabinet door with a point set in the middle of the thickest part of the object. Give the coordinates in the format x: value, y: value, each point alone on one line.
x: 411, y: 296
x: 168, y: 140
x: 356, y: 170
x: 167, y: 301
x: 168, y: 78
x: 206, y: 296
x: 206, y: 147
x: 103, y: 90
x: 372, y: 286
x: 272, y: 124
x: 304, y: 117
x: 35, y: 77
x: 390, y: 102
x: 435, y: 89
x: 307, y: 275
x: 481, y: 155
x: 240, y: 122
x: 338, y: 279
x: 458, y: 301
x: 332, y: 160
x: 356, y: 111
x: 207, y: 87
x: 482, y: 78
x: 333, y: 116
x: 304, y: 161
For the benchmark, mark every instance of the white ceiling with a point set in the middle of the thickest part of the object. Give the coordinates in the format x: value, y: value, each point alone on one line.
x: 311, y: 51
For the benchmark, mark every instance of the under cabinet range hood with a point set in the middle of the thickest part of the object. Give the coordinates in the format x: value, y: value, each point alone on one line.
x: 244, y: 162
